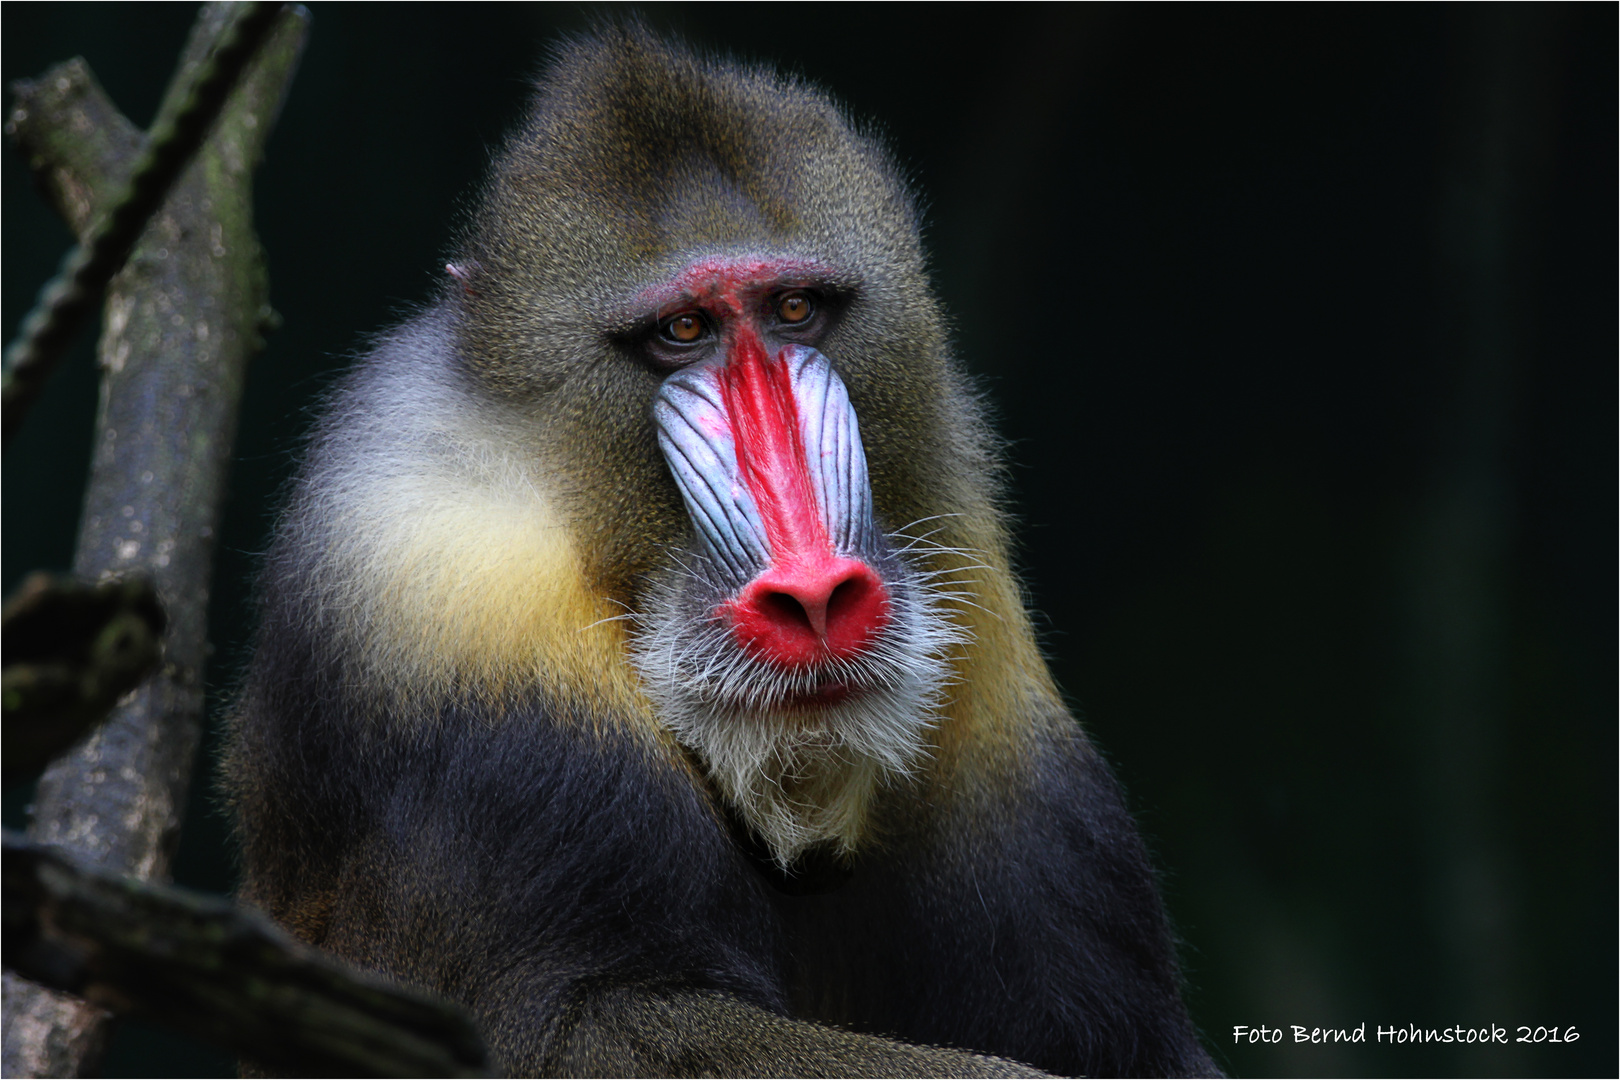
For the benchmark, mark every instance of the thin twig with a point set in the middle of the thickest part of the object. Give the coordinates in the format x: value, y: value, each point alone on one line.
x: 183, y: 121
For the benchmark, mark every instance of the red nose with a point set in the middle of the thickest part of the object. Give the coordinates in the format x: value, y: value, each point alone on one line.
x: 809, y: 611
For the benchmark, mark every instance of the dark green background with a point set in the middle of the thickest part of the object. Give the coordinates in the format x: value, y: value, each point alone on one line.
x: 1301, y: 323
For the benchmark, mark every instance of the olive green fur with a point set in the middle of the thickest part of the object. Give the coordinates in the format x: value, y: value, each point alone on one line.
x: 639, y: 156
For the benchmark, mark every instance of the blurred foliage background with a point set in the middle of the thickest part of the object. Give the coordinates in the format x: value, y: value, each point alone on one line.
x: 1301, y: 325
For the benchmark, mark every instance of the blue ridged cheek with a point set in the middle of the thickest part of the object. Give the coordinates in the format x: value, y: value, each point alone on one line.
x: 695, y: 435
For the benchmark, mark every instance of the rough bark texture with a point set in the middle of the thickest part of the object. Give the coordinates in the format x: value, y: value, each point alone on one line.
x: 71, y: 651
x: 193, y: 104
x: 221, y: 973
x: 181, y: 320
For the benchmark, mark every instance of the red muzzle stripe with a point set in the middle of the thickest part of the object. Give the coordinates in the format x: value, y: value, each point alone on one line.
x: 758, y: 393
x: 811, y: 604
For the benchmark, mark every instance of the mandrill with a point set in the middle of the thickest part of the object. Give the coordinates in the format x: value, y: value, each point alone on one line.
x: 640, y: 663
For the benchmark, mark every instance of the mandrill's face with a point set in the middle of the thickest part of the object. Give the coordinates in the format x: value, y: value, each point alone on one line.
x: 741, y: 383
x: 790, y: 645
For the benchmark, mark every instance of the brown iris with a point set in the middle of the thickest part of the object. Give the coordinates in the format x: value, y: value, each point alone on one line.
x: 685, y: 328
x: 793, y: 307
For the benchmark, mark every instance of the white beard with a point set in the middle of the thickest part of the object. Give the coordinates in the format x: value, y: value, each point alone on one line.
x: 800, y: 773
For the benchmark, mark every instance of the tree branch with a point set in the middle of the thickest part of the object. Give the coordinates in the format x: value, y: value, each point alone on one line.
x: 182, y: 318
x: 71, y: 651
x: 220, y: 973
x: 188, y: 110
x: 78, y: 145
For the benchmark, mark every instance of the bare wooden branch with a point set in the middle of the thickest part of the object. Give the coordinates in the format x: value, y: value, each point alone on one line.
x: 220, y: 973
x: 71, y: 651
x: 191, y: 105
x: 181, y: 320
x: 78, y: 144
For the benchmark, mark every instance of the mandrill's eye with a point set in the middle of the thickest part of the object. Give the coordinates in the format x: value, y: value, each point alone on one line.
x: 794, y: 307
x: 685, y: 328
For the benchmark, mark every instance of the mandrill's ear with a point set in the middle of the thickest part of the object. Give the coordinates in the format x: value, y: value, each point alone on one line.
x: 641, y: 665
x: 463, y: 273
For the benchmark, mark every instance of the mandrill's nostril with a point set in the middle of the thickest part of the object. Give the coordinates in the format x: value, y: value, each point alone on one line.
x: 826, y: 612
x: 788, y: 611
x: 804, y: 614
x: 849, y: 598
